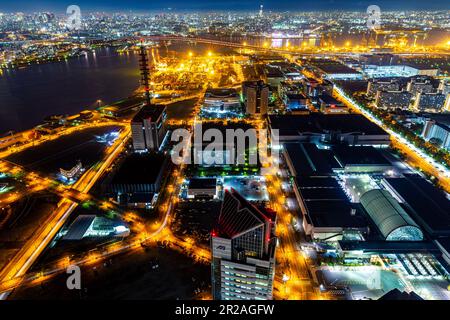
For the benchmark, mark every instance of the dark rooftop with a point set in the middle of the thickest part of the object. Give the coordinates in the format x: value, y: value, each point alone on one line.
x: 445, y: 243
x: 152, y: 112
x: 316, y: 182
x: 320, y: 123
x: 202, y: 183
x: 273, y: 72
x: 332, y: 67
x: 140, y: 197
x: 396, y: 294
x: 139, y: 169
x: 324, y: 194
x: 427, y: 205
x: 327, y: 205
x: 332, y: 213
x: 307, y: 159
x: 237, y: 215
x: 79, y: 227
x: 221, y: 92
x: 346, y: 155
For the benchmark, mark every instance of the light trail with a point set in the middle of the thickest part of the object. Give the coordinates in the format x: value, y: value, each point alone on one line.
x: 440, y: 171
x: 34, y: 247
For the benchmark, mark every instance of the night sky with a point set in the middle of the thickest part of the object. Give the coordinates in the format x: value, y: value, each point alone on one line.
x: 196, y: 5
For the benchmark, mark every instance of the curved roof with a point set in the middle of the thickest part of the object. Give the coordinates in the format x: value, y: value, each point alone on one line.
x: 391, y: 219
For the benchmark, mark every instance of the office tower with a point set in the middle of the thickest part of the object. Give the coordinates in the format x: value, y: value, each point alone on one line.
x: 148, y: 128
x: 243, y: 251
x: 256, y: 97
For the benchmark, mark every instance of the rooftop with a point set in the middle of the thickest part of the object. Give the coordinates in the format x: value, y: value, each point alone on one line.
x: 316, y: 182
x: 238, y: 215
x: 391, y: 219
x: 427, y: 204
x: 79, y: 227
x: 396, y: 294
x: 139, y: 169
x: 202, y: 183
x: 333, y: 214
x: 151, y: 112
x: 324, y: 123
x: 221, y: 92
x: 327, y: 205
x: 307, y: 159
x: 346, y: 155
x: 332, y: 67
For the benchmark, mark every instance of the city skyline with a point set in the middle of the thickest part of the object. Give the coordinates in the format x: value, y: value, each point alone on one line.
x: 246, y: 5
x: 225, y: 151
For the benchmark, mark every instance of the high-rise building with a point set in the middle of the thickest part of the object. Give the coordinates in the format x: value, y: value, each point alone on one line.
x: 256, y: 97
x: 243, y: 251
x: 437, y: 132
x: 148, y: 128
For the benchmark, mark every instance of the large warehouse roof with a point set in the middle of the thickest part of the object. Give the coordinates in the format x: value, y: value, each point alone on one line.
x: 390, y: 218
x: 427, y: 204
x: 318, y: 123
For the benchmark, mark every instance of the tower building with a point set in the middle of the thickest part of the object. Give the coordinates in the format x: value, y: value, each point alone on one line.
x: 243, y: 251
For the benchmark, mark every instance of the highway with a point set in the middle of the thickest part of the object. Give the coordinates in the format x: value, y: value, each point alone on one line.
x: 290, y: 258
x: 24, y: 259
x: 291, y: 263
x: 60, y: 133
x: 159, y: 232
x: 308, y: 50
x: 14, y: 274
x: 414, y: 156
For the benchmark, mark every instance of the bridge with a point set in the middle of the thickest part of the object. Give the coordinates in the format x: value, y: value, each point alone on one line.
x: 223, y: 43
x: 268, y: 49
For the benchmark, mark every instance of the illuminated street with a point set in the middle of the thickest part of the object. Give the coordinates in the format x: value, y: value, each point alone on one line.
x: 187, y: 151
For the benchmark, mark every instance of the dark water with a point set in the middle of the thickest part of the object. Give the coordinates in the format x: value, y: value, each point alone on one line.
x: 30, y: 94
